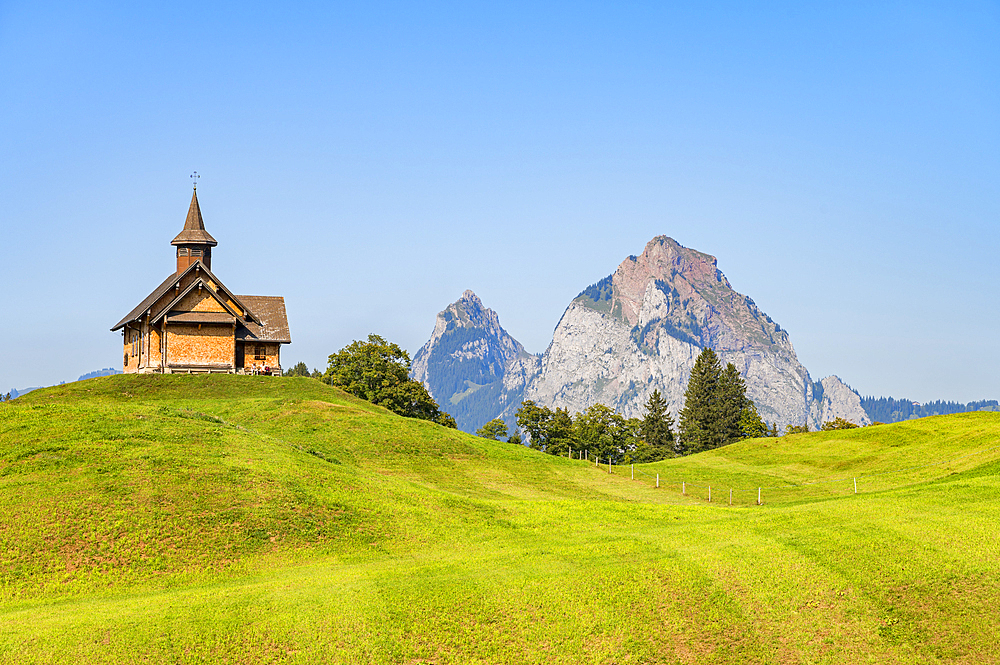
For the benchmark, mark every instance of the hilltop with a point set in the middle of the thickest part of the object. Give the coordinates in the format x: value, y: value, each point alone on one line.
x: 259, y: 519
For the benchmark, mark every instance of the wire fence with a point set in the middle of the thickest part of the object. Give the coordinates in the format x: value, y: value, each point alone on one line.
x: 818, y: 488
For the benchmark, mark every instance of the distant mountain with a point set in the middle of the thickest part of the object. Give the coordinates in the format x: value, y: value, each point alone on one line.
x: 891, y: 410
x: 14, y: 392
x: 471, y: 366
x: 107, y: 371
x: 639, y: 329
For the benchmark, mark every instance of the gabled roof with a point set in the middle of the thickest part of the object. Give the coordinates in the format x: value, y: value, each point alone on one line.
x: 150, y: 300
x: 194, y: 227
x: 175, y: 279
x: 199, y: 284
x: 271, y: 324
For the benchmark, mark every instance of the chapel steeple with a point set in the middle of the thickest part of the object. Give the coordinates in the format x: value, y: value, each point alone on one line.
x: 194, y: 243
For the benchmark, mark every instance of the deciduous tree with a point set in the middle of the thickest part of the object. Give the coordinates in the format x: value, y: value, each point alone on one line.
x: 378, y: 371
x: 533, y: 420
x: 494, y: 429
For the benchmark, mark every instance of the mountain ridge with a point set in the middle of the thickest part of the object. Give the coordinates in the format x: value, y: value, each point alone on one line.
x: 639, y: 329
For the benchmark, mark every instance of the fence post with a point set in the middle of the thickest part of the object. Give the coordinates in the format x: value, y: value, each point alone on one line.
x: 855, y: 485
x: 570, y: 455
x: 758, y: 496
x: 633, y: 472
x: 683, y: 487
x: 657, y: 480
x: 609, y: 466
x: 730, y: 496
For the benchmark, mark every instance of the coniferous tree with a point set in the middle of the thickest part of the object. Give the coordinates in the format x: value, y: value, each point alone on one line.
x: 699, y: 428
x: 657, y: 428
x: 716, y: 409
x: 751, y: 426
x: 731, y: 405
x: 299, y: 369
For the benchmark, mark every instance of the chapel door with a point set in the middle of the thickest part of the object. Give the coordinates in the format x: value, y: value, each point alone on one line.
x: 239, y: 356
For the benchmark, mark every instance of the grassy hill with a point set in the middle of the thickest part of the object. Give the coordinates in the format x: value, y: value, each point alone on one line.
x: 261, y: 520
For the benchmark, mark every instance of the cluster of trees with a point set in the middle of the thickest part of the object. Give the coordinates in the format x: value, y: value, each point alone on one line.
x: 300, y: 369
x: 891, y: 410
x: 379, y: 371
x: 601, y: 431
x: 716, y: 409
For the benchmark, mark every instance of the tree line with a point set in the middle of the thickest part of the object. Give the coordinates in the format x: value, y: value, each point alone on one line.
x: 599, y: 430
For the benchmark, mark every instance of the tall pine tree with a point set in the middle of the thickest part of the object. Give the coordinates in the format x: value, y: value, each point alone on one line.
x: 699, y: 418
x: 731, y: 405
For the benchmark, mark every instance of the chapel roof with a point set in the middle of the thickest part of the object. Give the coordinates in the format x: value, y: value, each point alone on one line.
x: 270, y: 312
x: 266, y: 320
x: 175, y: 280
x: 194, y: 227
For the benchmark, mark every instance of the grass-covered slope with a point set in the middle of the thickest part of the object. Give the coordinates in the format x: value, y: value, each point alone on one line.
x: 253, y: 519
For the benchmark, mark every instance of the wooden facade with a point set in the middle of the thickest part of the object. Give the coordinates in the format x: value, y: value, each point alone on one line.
x: 193, y: 323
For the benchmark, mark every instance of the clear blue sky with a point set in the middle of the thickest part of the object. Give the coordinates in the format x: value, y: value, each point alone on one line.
x: 370, y: 161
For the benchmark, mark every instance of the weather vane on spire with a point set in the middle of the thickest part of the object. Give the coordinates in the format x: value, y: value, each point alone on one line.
x: 194, y: 180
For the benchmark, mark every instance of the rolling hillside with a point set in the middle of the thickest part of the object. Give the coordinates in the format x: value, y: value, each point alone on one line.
x: 261, y: 520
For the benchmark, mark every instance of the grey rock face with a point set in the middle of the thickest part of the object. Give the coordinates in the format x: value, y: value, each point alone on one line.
x: 642, y: 328
x: 471, y: 366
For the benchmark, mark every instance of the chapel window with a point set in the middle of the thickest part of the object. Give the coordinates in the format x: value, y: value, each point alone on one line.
x: 259, y: 352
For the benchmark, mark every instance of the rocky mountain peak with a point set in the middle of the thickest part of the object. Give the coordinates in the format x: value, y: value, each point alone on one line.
x: 682, y: 292
x: 642, y: 327
x: 664, y: 260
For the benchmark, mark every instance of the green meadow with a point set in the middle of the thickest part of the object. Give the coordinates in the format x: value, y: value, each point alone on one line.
x: 179, y: 519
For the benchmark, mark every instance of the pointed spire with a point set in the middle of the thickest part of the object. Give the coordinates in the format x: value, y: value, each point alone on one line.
x: 194, y: 221
x: 194, y: 227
